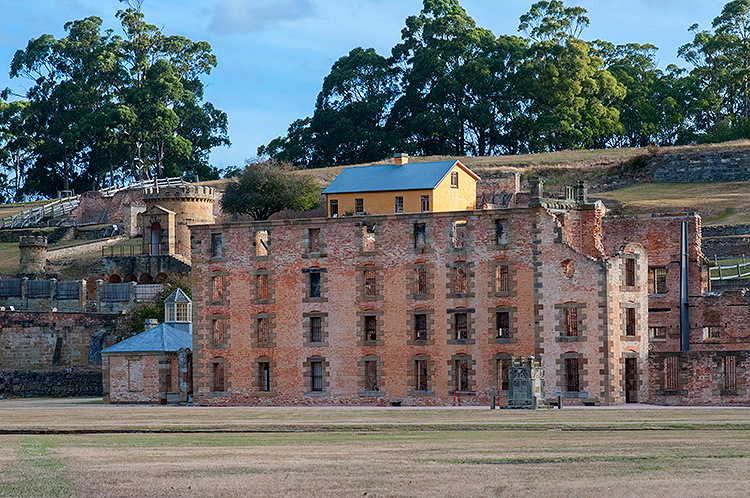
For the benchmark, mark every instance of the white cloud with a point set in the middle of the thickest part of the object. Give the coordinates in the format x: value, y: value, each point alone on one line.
x: 243, y: 16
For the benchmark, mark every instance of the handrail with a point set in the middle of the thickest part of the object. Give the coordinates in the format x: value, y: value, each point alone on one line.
x: 34, y: 215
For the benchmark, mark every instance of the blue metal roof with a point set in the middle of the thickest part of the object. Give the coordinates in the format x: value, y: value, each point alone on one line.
x: 162, y: 338
x: 384, y: 177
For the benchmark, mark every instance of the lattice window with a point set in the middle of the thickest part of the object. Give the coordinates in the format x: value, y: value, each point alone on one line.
x: 657, y: 280
x: 454, y: 179
x: 460, y: 284
x: 316, y: 376
x: 630, y: 272
x: 399, y: 208
x: 370, y: 283
x: 421, y: 281
x: 502, y: 282
x: 359, y: 206
x: 572, y: 374
x: 671, y: 373
x: 316, y: 329
x: 261, y: 286
x: 425, y: 203
x: 729, y: 364
x: 571, y: 322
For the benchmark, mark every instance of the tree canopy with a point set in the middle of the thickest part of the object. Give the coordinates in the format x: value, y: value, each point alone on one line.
x: 102, y: 104
x: 451, y: 87
x: 267, y: 188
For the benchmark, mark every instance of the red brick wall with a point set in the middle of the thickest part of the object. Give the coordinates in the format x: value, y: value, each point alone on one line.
x: 93, y: 205
x: 535, y: 254
x: 144, y: 374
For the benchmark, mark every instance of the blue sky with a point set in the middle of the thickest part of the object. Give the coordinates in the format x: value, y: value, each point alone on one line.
x: 274, y: 54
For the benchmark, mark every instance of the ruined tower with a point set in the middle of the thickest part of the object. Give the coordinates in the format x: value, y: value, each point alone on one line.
x: 169, y: 212
x: 33, y: 253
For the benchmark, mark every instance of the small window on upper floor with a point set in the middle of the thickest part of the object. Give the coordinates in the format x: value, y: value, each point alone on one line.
x: 630, y: 272
x: 216, y: 246
x: 459, y: 234
x: 630, y: 321
x: 460, y: 326
x: 261, y: 243
x: 425, y: 203
x: 501, y: 232
x: 399, y: 204
x: 313, y: 240
x: 502, y: 324
x: 371, y: 289
x: 314, y: 284
x: 571, y: 322
x: 711, y: 332
x: 334, y: 208
x: 316, y: 328
x: 261, y: 286
x: 502, y: 282
x: 371, y: 328
x: 217, y: 288
x: 359, y: 206
x: 657, y: 280
x: 368, y: 238
x: 454, y: 179
x: 420, y: 327
x: 421, y: 281
x: 420, y: 230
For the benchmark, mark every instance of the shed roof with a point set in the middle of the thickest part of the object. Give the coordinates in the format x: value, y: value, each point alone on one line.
x: 162, y: 338
x: 178, y: 296
x: 385, y: 177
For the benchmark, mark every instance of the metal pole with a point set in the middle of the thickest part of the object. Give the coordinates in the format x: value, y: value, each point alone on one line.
x: 684, y: 303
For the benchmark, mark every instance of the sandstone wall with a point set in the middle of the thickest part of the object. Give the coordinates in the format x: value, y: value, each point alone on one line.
x: 725, y: 166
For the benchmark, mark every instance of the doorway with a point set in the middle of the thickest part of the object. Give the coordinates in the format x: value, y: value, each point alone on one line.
x: 155, y: 238
x: 631, y: 380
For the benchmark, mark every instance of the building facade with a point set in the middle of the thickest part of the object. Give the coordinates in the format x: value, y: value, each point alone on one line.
x: 419, y: 308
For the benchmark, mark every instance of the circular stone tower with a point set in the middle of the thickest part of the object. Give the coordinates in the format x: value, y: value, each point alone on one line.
x: 33, y: 253
x: 191, y: 205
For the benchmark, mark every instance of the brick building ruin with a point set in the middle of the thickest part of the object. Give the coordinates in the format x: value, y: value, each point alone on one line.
x: 415, y: 308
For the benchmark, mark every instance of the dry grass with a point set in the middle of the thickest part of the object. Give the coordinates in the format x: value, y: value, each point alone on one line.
x: 11, y: 209
x: 717, y: 203
x: 706, y: 457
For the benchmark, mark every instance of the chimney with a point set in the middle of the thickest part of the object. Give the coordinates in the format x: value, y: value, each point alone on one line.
x: 400, y: 159
x: 536, y: 186
x: 151, y: 323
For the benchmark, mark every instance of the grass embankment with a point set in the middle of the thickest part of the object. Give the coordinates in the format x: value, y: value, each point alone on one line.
x: 581, y: 452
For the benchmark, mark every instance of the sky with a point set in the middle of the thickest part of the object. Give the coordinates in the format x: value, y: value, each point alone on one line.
x: 274, y: 54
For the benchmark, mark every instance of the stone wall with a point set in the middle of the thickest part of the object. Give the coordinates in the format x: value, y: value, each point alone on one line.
x: 726, y: 241
x: 30, y: 340
x: 96, y: 208
x: 84, y: 247
x: 51, y: 382
x: 726, y: 166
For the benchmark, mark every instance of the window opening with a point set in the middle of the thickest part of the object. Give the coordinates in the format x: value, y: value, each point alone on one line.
x: 217, y: 284
x: 425, y: 203
x: 420, y: 327
x: 460, y: 326
x: 368, y: 238
x: 371, y: 375
x: 261, y: 243
x: 730, y: 372
x: 316, y: 329
x: 216, y: 246
x: 218, y: 377
x: 629, y: 321
x: 314, y: 284
x: 334, y: 208
x: 571, y: 322
x: 420, y: 230
x: 671, y: 373
x: 630, y: 272
x: 313, y: 240
x: 359, y: 206
x: 262, y: 286
x: 316, y: 376
x: 399, y: 204
x: 501, y: 232
x: 217, y: 331
x: 459, y: 234
x: 371, y: 328
x: 263, y: 336
x: 421, y: 370
x: 370, y: 288
x: 459, y: 280
x: 502, y: 324
x: 461, y: 367
x: 501, y: 279
x: 454, y: 179
x: 657, y: 280
x: 571, y: 374
x: 264, y: 376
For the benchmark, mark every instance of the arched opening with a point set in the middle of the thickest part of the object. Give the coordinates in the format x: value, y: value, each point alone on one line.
x: 114, y: 279
x: 155, y: 238
x: 145, y: 279
x: 131, y: 278
x: 161, y: 278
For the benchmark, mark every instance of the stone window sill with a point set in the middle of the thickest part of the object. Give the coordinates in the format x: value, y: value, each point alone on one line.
x: 371, y: 393
x: 671, y: 392
x: 217, y: 393
x: 318, y: 344
x: 421, y: 393
x: 631, y: 338
x: 505, y: 340
x: 570, y: 338
x: 265, y: 345
x: 265, y: 394
x: 317, y: 394
x: 575, y: 394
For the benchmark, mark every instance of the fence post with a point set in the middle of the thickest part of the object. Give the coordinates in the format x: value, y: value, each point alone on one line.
x: 83, y: 291
x: 24, y: 290
x: 53, y: 293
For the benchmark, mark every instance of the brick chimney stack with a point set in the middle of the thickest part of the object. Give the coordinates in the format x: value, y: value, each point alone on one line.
x: 400, y: 159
